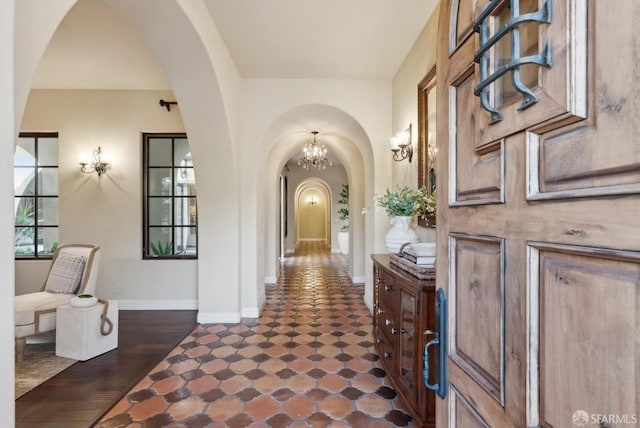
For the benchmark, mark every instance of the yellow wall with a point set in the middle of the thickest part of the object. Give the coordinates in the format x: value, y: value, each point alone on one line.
x: 312, y: 217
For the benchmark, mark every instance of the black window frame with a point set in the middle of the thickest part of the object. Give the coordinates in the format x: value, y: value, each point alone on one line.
x: 37, y: 195
x: 146, y: 197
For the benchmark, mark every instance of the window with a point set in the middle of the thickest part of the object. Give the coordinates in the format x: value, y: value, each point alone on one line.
x: 170, y: 215
x: 35, y: 175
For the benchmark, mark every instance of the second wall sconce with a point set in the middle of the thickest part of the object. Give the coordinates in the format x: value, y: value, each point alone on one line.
x: 401, y: 145
x: 96, y: 166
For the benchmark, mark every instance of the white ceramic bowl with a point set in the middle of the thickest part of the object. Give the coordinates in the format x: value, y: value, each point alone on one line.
x: 424, y: 248
x: 83, y: 302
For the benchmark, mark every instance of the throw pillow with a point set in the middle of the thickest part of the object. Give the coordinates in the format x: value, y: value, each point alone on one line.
x: 65, y: 274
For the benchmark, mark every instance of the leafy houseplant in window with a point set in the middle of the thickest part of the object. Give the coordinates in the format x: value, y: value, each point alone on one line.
x: 343, y: 215
x: 24, y: 217
x: 161, y: 249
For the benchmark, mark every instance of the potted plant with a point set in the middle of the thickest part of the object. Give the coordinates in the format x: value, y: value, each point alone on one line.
x: 401, y: 206
x: 343, y: 215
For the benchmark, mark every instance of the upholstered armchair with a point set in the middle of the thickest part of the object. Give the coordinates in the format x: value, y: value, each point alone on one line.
x: 73, y: 271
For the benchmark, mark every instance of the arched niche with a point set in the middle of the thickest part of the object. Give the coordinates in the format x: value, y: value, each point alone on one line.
x: 305, y: 206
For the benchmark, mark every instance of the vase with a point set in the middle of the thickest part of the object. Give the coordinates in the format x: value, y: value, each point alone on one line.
x: 343, y: 242
x: 400, y: 233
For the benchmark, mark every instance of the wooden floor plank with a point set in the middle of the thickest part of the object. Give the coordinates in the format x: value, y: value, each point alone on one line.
x: 81, y: 394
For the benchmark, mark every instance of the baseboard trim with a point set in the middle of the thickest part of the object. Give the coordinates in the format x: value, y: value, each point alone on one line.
x: 270, y: 279
x: 250, y: 313
x: 218, y: 317
x: 154, y: 305
x: 359, y: 280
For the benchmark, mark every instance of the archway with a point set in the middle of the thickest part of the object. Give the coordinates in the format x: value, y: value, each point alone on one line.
x: 313, y: 203
x: 202, y: 81
x: 346, y: 139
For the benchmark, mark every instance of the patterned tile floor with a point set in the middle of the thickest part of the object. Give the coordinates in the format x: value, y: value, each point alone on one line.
x: 308, y: 361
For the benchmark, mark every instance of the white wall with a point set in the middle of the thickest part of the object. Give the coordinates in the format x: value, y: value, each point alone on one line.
x: 414, y: 68
x: 207, y: 86
x: 7, y: 147
x: 107, y: 210
x: 36, y: 21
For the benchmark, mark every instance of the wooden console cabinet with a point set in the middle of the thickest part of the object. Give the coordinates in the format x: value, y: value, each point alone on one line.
x: 403, y: 308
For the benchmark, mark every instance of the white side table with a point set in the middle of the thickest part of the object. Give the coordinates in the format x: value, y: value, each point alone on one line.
x: 78, y: 331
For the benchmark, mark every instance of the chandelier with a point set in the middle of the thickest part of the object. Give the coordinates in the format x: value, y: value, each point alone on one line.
x: 314, y: 154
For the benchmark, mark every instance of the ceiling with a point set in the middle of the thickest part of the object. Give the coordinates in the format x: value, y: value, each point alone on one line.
x: 94, y: 48
x: 356, y: 39
x: 352, y: 39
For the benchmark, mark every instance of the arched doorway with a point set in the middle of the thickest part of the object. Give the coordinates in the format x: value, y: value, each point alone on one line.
x: 281, y: 144
x: 312, y: 211
x: 201, y: 88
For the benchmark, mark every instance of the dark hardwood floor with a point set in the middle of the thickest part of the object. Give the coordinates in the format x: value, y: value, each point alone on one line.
x: 80, y: 395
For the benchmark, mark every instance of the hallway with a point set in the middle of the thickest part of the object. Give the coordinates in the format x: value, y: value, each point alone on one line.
x: 308, y: 361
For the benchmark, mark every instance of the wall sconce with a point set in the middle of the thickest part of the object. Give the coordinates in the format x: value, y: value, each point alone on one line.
x: 312, y: 201
x: 401, y: 145
x: 96, y: 166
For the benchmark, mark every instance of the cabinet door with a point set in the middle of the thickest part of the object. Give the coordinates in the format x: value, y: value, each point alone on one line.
x: 408, y: 352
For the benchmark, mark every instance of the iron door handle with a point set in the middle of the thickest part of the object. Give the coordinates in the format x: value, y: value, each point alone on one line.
x: 439, y: 339
x: 425, y: 371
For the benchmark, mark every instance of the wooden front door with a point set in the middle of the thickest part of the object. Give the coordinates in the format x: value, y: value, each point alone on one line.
x: 539, y: 212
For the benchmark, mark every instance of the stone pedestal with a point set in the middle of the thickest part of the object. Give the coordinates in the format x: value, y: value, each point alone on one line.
x: 78, y: 331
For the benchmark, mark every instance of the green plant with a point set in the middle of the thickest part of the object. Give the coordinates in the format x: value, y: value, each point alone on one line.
x: 25, y: 215
x: 161, y: 249
x: 24, y: 251
x: 407, y: 202
x: 53, y: 248
x: 343, y: 213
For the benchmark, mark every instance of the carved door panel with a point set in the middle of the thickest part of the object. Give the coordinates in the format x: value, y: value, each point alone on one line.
x: 538, y: 211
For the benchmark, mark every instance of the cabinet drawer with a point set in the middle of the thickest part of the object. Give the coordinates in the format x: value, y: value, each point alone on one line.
x: 386, y: 353
x: 388, y: 326
x: 383, y: 309
x: 387, y: 288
